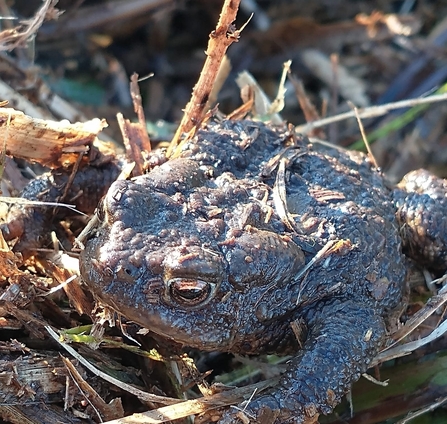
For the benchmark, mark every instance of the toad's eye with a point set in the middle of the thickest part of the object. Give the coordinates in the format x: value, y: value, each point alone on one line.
x: 190, y: 292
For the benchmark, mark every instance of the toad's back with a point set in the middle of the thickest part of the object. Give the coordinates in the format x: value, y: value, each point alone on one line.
x: 323, y: 197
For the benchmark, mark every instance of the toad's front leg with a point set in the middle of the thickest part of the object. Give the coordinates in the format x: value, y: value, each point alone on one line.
x: 343, y: 338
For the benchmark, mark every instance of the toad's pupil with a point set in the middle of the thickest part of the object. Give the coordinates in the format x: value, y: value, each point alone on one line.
x: 190, y: 293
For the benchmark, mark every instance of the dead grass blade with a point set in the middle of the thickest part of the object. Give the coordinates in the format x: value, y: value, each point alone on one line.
x: 371, y: 112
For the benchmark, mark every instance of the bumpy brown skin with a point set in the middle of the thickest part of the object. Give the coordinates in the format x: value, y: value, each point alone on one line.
x: 198, y: 251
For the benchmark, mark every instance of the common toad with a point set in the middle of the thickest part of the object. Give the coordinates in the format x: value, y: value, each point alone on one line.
x: 251, y: 229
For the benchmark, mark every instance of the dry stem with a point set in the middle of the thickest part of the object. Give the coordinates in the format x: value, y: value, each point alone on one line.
x: 370, y: 112
x: 19, y: 36
x: 220, y: 40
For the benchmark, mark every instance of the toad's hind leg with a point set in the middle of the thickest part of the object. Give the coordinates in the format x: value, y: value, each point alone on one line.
x: 421, y: 200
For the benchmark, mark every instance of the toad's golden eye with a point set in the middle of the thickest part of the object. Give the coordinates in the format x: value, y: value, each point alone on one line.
x: 189, y: 292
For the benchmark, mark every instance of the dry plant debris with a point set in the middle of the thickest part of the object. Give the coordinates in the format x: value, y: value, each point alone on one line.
x: 28, y: 300
x: 21, y: 35
x: 52, y: 144
x: 220, y: 39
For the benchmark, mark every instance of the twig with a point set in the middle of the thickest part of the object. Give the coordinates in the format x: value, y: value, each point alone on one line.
x: 148, y: 397
x: 19, y: 36
x: 131, y: 133
x: 135, y: 137
x: 370, y: 112
x: 422, y: 411
x: 278, y: 104
x: 309, y: 110
x: 407, y: 348
x: 95, y: 16
x: 34, y: 203
x: 138, y: 108
x: 87, y: 391
x: 432, y: 305
x: 364, y: 138
x: 176, y: 408
x: 220, y: 39
x: 190, y: 407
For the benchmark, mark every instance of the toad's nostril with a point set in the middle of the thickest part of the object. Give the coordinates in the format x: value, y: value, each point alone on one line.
x: 127, y: 273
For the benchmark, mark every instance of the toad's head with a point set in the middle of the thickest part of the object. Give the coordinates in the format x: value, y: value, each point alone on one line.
x: 186, y: 256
